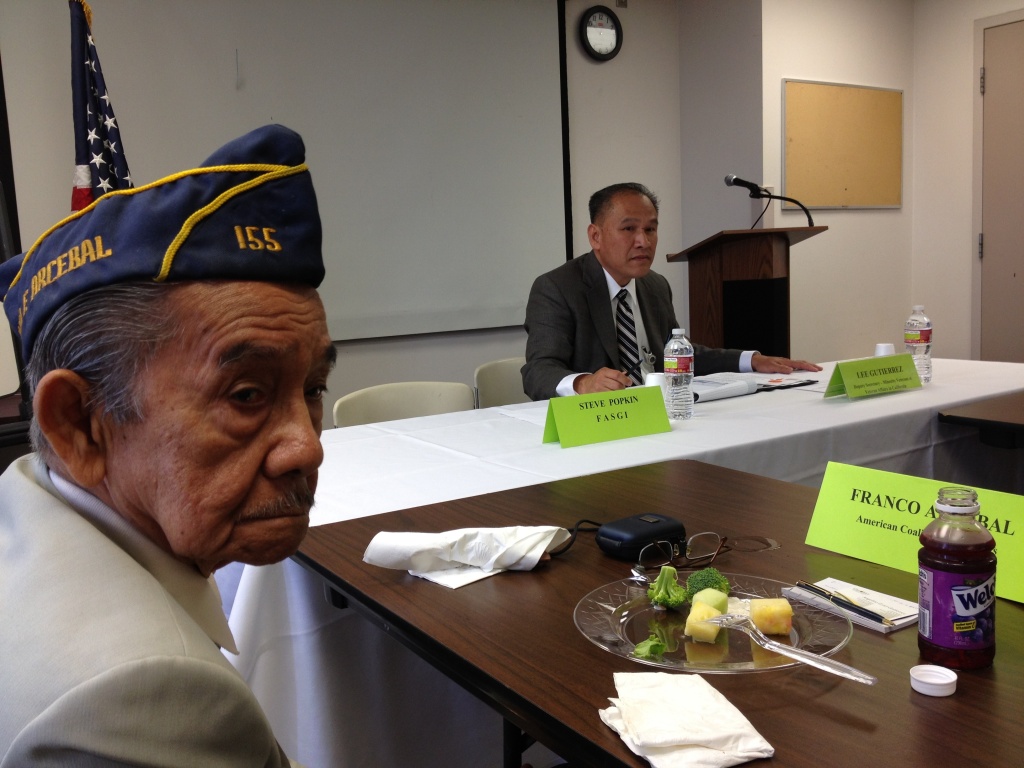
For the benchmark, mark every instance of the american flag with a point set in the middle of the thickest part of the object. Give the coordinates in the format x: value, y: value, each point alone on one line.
x: 100, y: 165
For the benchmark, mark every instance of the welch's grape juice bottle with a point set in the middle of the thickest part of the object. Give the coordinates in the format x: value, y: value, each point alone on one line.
x: 957, y: 585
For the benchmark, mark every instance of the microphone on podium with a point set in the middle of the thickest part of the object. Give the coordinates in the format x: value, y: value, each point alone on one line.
x: 732, y: 180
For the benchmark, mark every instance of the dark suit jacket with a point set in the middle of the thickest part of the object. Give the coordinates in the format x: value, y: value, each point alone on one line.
x: 571, y: 329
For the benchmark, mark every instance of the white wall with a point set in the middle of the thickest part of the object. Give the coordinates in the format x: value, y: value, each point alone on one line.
x: 34, y: 38
x: 850, y: 286
x: 721, y: 115
x: 631, y: 119
x: 944, y: 267
x: 853, y: 285
x: 624, y: 125
x: 624, y: 121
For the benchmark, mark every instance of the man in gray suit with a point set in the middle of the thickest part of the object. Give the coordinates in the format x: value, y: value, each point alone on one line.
x: 178, y: 353
x: 572, y: 340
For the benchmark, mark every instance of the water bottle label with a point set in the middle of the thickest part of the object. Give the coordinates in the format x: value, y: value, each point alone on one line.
x: 920, y: 336
x: 681, y: 364
x: 957, y: 610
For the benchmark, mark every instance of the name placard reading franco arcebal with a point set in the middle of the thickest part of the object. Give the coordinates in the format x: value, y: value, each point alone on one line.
x: 879, y: 516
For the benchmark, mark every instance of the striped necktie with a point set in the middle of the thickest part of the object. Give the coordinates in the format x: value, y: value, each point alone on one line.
x: 629, y: 352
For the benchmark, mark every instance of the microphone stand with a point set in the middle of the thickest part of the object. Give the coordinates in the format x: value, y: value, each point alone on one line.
x: 765, y: 194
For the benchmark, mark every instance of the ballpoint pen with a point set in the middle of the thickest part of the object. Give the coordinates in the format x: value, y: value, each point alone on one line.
x: 634, y: 368
x: 843, y: 603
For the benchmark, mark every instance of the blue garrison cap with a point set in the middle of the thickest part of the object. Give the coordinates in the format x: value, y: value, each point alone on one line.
x: 248, y: 213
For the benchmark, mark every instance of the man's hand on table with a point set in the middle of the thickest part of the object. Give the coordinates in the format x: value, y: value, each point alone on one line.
x: 605, y: 380
x: 766, y: 364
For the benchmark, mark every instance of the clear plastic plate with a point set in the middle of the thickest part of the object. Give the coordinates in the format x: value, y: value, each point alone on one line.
x: 619, y: 615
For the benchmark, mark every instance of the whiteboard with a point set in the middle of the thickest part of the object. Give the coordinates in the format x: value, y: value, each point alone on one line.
x: 432, y: 127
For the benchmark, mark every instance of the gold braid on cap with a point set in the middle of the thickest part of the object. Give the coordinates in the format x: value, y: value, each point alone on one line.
x: 272, y: 173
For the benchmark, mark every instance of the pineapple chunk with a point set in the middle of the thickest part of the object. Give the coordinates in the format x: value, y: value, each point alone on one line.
x: 696, y: 626
x: 717, y: 600
x: 708, y: 654
x: 772, y: 615
x: 764, y: 658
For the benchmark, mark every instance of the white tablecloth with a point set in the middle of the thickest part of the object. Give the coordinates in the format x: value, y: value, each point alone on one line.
x: 340, y: 692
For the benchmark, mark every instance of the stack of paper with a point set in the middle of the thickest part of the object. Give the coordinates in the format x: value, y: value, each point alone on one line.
x: 714, y: 386
x: 900, y: 612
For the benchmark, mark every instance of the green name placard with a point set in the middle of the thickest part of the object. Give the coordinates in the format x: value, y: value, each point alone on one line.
x: 585, y: 419
x: 878, y: 516
x: 873, y: 376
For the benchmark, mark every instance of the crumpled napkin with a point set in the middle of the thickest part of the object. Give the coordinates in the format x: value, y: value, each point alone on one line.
x: 681, y: 721
x: 456, y: 558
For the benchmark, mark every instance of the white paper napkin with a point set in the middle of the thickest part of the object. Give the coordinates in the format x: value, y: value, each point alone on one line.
x: 681, y: 721
x: 455, y: 558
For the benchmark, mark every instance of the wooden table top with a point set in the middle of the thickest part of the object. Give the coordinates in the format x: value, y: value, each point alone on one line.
x: 511, y: 639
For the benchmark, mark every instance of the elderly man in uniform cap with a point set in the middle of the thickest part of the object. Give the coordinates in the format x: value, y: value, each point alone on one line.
x: 178, y: 354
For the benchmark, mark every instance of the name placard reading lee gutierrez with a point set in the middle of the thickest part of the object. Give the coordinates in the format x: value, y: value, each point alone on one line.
x: 596, y: 418
x: 873, y: 376
x: 879, y: 516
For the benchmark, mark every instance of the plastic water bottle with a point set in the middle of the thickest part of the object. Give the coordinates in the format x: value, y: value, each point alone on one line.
x: 917, y: 336
x: 679, y: 375
x: 957, y: 585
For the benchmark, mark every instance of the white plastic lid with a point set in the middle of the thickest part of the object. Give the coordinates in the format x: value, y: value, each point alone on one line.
x: 917, y: 307
x: 932, y: 680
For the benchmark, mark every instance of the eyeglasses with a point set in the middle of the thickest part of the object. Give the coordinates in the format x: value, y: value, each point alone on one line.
x: 701, y: 549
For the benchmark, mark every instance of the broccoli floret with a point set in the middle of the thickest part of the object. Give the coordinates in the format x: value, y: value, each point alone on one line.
x: 651, y: 648
x: 665, y: 591
x: 706, y: 578
x: 667, y: 627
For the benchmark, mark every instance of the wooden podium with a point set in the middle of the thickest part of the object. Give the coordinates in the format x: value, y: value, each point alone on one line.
x: 739, y: 288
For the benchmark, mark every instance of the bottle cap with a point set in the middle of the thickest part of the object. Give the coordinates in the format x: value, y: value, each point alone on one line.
x: 932, y: 680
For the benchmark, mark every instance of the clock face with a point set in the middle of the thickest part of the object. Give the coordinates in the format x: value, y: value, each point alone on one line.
x: 600, y: 33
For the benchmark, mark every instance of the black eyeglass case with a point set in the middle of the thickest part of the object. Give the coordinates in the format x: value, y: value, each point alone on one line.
x: 623, y: 539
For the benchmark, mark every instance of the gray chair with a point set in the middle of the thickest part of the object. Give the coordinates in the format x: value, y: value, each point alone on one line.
x: 402, y: 400
x: 499, y: 382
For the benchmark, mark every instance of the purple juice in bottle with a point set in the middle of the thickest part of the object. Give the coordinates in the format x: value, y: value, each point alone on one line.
x: 957, y: 585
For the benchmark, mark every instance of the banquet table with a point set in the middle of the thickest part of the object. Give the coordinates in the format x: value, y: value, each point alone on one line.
x: 512, y: 639
x: 328, y: 679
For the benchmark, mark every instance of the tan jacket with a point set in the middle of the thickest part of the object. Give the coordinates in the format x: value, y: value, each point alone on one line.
x: 107, y: 649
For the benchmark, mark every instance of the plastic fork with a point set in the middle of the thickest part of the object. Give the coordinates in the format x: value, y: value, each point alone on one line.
x: 746, y: 625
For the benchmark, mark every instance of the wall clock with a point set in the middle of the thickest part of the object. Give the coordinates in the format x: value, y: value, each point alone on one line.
x: 600, y: 33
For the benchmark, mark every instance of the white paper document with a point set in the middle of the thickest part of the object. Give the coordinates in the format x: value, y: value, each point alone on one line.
x: 715, y: 386
x: 900, y: 612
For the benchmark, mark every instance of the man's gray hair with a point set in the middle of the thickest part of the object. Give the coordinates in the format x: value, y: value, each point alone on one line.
x: 107, y: 336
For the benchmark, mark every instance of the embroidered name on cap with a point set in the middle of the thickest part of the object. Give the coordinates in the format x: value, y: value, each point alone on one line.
x: 253, y: 196
x: 53, y: 270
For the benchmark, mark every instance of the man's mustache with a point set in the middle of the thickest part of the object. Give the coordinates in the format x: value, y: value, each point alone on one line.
x: 292, y: 503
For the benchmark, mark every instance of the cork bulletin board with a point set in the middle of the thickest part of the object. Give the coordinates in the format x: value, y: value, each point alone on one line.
x: 842, y: 145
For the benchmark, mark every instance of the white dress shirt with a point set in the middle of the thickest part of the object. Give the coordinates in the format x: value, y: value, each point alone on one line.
x: 648, y: 356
